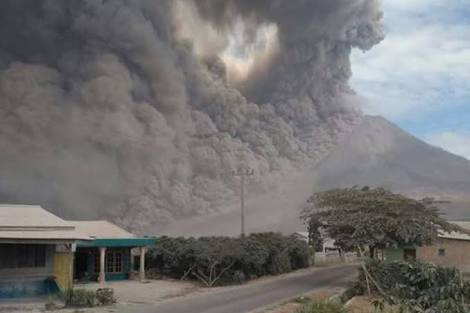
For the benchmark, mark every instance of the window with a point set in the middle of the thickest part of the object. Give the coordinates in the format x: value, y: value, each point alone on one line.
x: 441, y: 252
x: 97, y: 261
x: 8, y: 256
x: 31, y: 256
x: 410, y: 255
x: 22, y: 256
x: 114, y: 262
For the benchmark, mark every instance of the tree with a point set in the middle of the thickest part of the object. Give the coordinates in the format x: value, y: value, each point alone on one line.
x: 374, y: 218
x: 213, y: 258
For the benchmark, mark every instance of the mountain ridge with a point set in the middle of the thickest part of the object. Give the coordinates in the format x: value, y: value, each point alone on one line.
x: 376, y: 153
x: 378, y: 145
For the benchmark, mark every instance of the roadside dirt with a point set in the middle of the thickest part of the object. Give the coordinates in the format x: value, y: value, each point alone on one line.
x: 294, y: 304
x: 364, y: 305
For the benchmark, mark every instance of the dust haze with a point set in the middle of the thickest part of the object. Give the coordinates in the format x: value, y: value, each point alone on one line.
x: 138, y: 111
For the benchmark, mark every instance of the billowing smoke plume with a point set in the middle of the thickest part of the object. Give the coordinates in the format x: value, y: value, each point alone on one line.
x: 140, y: 110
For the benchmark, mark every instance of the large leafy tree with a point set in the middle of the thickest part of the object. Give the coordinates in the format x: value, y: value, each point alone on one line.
x: 374, y: 218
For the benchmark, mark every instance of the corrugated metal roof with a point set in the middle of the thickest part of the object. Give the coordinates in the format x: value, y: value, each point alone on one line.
x: 457, y: 235
x: 302, y: 234
x: 454, y: 235
x: 101, y: 229
x: 32, y: 222
x: 465, y: 225
x: 29, y: 216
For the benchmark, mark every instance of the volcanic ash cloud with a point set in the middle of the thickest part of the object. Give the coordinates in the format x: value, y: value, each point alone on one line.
x: 139, y: 110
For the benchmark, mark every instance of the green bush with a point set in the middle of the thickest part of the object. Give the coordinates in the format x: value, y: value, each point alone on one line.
x: 79, y: 298
x: 300, y: 254
x: 225, y: 260
x: 238, y: 277
x: 172, y: 256
x: 419, y: 286
x: 321, y: 307
x: 285, y: 253
x: 280, y: 263
x: 353, y: 290
x: 105, y: 296
x: 254, y: 259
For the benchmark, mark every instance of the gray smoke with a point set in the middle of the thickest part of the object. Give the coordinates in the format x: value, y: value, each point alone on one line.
x: 134, y: 110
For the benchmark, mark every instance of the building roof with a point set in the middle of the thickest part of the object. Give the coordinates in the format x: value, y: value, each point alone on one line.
x: 101, y: 229
x: 301, y: 234
x: 29, y: 216
x: 32, y: 222
x: 19, y: 223
x: 457, y: 235
x: 454, y: 235
x: 106, y: 234
x: 464, y: 224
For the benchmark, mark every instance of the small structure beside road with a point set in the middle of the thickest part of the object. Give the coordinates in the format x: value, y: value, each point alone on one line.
x: 107, y: 256
x: 328, y: 252
x: 449, y: 250
x: 41, y: 253
x: 36, y: 251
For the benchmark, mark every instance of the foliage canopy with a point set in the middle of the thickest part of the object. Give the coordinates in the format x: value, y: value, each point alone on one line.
x: 377, y: 218
x: 223, y: 260
x: 420, y: 287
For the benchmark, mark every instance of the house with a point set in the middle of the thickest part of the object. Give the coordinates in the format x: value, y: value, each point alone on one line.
x: 328, y: 251
x: 41, y: 253
x: 35, y: 246
x: 450, y: 250
x: 302, y: 235
x: 328, y: 243
x: 108, y: 255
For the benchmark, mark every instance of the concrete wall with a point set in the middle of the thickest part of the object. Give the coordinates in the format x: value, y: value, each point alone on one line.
x: 394, y: 254
x: 457, y: 254
x: 63, y: 269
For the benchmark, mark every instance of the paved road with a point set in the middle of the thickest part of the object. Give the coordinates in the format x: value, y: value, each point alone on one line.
x: 252, y: 296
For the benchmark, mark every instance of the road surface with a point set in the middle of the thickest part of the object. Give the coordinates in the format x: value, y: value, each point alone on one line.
x: 252, y: 296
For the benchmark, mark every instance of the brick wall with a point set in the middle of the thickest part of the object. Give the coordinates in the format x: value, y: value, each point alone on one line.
x: 456, y: 253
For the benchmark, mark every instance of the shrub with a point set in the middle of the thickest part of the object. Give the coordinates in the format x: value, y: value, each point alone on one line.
x: 255, y: 257
x: 79, y: 298
x: 280, y: 263
x: 238, y: 277
x: 419, y: 286
x: 215, y: 259
x: 299, y: 253
x: 350, y: 292
x: 105, y: 296
x: 321, y: 307
x: 172, y: 256
x: 285, y: 253
x: 226, y: 260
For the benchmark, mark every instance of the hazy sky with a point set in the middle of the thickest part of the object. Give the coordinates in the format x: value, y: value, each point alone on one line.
x: 419, y: 76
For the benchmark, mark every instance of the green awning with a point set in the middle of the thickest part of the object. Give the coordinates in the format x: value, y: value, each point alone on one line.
x: 119, y: 242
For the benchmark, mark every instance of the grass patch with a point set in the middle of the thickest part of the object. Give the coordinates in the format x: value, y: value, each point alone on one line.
x: 321, y: 307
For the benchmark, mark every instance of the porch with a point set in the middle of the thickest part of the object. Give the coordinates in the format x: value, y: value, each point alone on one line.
x: 101, y: 264
x: 108, y: 256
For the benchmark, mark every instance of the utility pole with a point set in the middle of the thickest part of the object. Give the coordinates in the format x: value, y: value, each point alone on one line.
x: 243, y: 172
